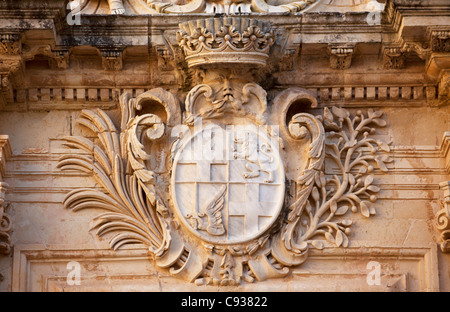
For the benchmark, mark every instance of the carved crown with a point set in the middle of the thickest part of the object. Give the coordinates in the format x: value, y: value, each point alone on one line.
x: 216, y: 42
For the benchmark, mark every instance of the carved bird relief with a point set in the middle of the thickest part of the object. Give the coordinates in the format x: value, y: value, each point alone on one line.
x: 213, y: 213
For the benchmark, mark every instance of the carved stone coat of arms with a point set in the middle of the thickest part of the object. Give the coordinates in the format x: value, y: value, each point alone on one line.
x: 229, y: 187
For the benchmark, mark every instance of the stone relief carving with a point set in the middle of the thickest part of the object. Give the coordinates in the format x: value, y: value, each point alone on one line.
x: 10, y: 44
x: 393, y: 58
x: 116, y: 6
x: 444, y: 89
x: 5, y: 222
x: 443, y: 217
x: 206, y: 191
x: 219, y: 225
x: 395, y: 54
x: 111, y: 59
x: 195, y: 6
x: 230, y: 7
x: 440, y: 41
x: 226, y: 93
x: 217, y: 40
x: 318, y: 199
x: 10, y: 63
x: 341, y: 55
x: 134, y: 206
x: 257, y: 161
x: 58, y: 56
